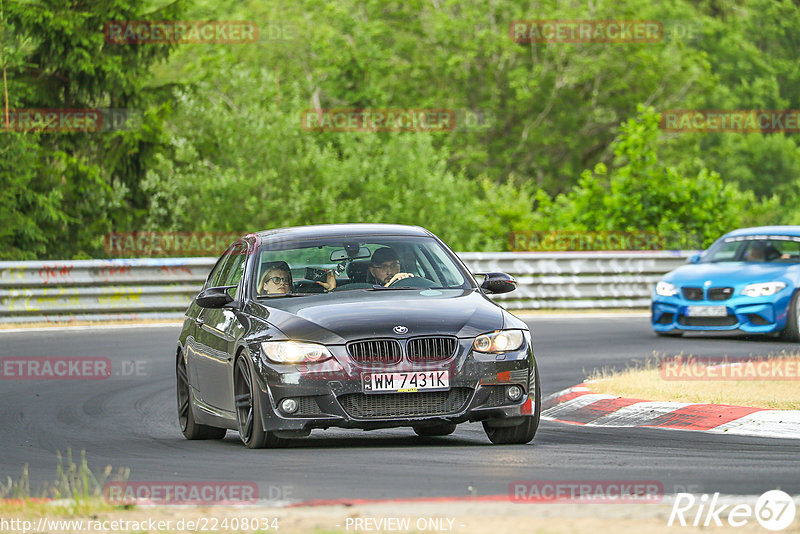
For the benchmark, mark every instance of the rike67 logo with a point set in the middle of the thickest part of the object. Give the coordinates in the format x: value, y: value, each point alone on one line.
x: 774, y: 510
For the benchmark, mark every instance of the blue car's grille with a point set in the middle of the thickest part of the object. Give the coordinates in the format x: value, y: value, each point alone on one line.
x: 728, y: 320
x: 720, y: 293
x: 692, y: 293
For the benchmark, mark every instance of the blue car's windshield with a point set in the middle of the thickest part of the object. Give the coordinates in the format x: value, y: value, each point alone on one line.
x: 755, y: 249
x: 355, y: 263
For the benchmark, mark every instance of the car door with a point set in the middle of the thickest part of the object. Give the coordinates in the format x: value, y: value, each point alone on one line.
x: 217, y: 334
x: 194, y: 348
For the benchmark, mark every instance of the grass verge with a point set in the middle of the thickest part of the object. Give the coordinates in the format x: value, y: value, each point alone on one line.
x: 696, y: 382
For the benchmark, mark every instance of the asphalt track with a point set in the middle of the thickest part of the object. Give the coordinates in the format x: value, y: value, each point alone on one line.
x: 130, y: 421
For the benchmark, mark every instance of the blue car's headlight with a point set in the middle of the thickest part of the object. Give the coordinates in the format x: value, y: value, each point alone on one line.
x: 763, y: 290
x: 665, y: 289
x: 294, y: 352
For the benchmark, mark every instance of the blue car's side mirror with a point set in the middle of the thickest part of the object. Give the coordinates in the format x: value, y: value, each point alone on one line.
x: 695, y: 258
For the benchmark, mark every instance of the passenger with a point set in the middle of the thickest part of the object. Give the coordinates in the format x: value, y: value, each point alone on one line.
x: 384, y: 267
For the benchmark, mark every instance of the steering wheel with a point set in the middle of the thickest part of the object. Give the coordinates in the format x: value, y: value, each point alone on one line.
x: 412, y: 281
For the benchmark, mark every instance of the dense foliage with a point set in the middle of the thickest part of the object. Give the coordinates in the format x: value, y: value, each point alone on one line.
x: 548, y: 136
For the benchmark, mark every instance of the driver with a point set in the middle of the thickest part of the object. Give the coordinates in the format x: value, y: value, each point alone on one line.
x: 385, y: 267
x: 760, y: 251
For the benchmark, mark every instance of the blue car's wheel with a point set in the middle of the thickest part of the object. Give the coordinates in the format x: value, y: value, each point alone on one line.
x: 792, y: 330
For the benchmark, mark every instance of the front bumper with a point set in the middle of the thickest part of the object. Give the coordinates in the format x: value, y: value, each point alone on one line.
x: 745, y: 314
x: 331, y: 394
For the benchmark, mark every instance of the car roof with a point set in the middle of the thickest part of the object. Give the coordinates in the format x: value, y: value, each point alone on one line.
x: 339, y: 230
x: 774, y: 230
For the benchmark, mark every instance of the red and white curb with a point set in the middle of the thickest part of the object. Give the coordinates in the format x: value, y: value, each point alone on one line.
x: 578, y: 405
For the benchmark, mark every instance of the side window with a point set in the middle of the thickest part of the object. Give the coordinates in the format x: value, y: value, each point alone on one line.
x: 231, y: 274
x: 216, y: 271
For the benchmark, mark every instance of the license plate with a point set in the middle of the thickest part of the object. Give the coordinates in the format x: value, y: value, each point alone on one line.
x: 406, y: 382
x: 707, y: 311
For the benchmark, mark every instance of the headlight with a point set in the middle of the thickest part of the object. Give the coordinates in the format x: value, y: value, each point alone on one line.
x: 665, y: 289
x: 294, y: 352
x: 499, y: 341
x: 763, y: 290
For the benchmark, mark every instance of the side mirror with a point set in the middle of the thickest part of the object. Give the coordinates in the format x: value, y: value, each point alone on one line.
x: 695, y: 258
x: 214, y: 297
x: 496, y: 283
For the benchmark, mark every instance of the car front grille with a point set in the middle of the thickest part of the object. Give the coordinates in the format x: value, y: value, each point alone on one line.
x: 692, y: 293
x: 728, y: 320
x: 392, y: 405
x: 375, y: 351
x: 423, y: 349
x: 720, y: 293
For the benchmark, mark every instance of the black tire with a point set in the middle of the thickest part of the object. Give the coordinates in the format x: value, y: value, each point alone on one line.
x: 523, y: 432
x: 668, y: 334
x: 792, y: 330
x: 248, y: 409
x: 190, y: 428
x: 443, y: 429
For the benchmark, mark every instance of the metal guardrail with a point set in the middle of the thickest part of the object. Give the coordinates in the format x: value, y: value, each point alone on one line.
x: 66, y: 291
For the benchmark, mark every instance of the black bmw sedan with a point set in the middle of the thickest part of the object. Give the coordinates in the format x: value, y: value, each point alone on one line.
x: 355, y: 326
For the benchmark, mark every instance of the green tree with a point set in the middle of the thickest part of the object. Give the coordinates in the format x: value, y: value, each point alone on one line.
x: 58, y: 58
x: 642, y: 193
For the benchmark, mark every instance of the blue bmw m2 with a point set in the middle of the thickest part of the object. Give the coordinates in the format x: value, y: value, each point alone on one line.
x: 747, y: 281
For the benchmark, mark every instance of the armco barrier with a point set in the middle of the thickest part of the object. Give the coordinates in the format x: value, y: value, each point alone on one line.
x: 59, y: 291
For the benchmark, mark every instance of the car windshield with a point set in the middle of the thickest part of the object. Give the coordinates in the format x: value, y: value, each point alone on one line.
x: 755, y: 249
x: 352, y: 263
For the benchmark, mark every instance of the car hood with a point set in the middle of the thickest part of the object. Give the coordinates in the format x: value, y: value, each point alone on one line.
x: 727, y: 273
x: 339, y: 318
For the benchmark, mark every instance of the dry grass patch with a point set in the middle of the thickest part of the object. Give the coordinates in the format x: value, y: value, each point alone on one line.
x: 650, y: 381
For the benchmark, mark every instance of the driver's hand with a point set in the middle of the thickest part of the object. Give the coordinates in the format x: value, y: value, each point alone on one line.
x: 398, y: 276
x: 330, y: 283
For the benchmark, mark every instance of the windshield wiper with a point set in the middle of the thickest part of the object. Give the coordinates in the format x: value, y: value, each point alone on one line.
x: 381, y: 288
x: 281, y: 295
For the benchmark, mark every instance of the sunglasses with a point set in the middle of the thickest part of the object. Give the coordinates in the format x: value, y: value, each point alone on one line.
x: 388, y: 265
x: 278, y: 280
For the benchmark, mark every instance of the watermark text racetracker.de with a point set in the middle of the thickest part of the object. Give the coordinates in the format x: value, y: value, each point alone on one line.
x: 69, y: 368
x: 62, y: 120
x: 586, y: 491
x: 566, y: 240
x: 687, y: 368
x: 378, y: 120
x: 730, y: 120
x: 185, y: 493
x: 140, y: 32
x: 150, y: 524
x: 137, y: 244
x: 586, y: 31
